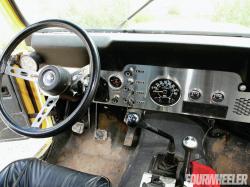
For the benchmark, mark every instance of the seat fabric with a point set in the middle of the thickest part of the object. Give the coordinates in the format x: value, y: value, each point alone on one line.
x: 37, y: 173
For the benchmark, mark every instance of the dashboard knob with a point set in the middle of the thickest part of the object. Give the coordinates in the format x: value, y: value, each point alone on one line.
x: 130, y: 102
x: 132, y: 91
x: 115, y: 99
x: 129, y: 72
x: 218, y: 96
x: 195, y: 94
x: 131, y: 81
x: 131, y: 69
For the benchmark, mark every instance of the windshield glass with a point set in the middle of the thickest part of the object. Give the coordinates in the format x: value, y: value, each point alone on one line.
x: 232, y: 16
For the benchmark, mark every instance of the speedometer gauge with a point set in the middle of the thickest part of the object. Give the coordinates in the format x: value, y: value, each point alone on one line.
x: 164, y: 92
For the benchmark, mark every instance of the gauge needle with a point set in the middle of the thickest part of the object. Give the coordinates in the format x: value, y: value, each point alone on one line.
x: 158, y: 91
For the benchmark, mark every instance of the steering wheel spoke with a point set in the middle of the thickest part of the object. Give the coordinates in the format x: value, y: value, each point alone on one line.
x: 45, y: 110
x: 17, y: 72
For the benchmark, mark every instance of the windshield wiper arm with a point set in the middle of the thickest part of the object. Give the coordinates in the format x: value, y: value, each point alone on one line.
x: 134, y: 13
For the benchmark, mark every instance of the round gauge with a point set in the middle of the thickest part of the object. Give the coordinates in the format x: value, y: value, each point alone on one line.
x: 164, y: 92
x: 115, y: 81
x: 27, y: 62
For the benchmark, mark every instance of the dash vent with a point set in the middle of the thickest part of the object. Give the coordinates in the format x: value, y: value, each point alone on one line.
x: 242, y: 107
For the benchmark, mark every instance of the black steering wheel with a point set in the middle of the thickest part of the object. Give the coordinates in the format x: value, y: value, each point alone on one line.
x: 53, y: 81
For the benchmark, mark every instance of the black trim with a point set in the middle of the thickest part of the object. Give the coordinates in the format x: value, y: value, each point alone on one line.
x: 147, y: 31
x: 204, y: 109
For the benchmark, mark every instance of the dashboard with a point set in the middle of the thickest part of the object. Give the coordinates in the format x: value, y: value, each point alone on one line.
x: 205, y: 76
x: 212, y: 94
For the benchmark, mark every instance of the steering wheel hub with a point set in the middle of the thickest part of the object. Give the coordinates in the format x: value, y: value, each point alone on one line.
x: 49, y: 78
x: 54, y: 80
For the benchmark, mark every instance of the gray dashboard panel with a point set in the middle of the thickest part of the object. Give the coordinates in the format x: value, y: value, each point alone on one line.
x: 58, y: 48
x: 66, y: 49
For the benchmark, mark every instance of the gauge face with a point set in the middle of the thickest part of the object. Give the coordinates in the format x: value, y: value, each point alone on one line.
x: 27, y: 62
x: 115, y: 81
x: 164, y: 92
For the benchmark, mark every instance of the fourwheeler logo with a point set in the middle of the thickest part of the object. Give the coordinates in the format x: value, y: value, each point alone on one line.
x: 217, y: 179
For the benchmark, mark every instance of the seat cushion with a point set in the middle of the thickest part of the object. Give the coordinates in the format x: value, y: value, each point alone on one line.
x: 37, y: 173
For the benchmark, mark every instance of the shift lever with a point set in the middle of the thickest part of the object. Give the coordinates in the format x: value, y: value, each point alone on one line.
x: 132, y: 119
x: 167, y: 165
x: 189, y: 144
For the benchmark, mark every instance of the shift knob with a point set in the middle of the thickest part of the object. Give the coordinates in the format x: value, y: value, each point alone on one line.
x: 189, y: 143
x: 132, y: 119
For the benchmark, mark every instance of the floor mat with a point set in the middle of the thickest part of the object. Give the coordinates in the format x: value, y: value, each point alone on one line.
x: 229, y: 154
x: 108, y: 158
x: 85, y: 154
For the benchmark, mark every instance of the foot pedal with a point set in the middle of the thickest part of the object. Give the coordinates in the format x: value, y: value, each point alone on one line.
x: 101, y: 135
x: 78, y: 128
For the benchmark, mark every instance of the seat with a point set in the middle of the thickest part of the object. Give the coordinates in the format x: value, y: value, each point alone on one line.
x: 37, y: 173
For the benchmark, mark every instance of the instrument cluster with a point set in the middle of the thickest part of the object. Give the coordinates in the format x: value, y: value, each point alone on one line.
x: 212, y: 94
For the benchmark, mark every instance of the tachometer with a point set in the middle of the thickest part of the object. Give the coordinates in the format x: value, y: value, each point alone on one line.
x: 164, y: 92
x: 30, y: 61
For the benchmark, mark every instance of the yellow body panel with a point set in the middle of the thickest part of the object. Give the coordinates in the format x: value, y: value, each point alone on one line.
x: 11, y: 15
